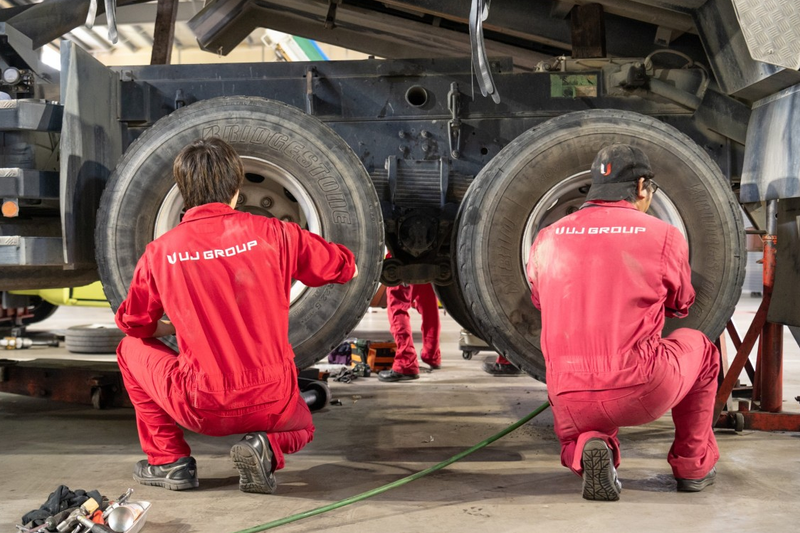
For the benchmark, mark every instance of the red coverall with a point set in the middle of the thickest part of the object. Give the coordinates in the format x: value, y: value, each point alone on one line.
x: 604, y: 277
x: 398, y: 301
x: 223, y: 277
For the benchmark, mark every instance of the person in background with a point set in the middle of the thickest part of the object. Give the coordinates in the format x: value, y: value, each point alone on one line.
x: 399, y: 300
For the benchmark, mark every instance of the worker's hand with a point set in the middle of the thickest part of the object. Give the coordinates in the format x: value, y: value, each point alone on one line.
x: 356, y: 272
x: 164, y: 328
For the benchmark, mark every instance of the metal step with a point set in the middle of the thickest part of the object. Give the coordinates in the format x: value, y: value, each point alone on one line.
x: 30, y: 115
x: 25, y: 183
x: 31, y: 251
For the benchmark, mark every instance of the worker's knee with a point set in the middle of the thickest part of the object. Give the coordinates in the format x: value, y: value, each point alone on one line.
x: 692, y: 340
x: 687, y: 335
x: 134, y: 355
x: 123, y: 350
x: 310, y: 433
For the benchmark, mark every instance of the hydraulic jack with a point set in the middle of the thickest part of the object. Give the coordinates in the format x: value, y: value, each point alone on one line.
x: 767, y: 376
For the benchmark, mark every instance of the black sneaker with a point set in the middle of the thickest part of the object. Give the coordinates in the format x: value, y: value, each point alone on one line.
x: 491, y: 366
x: 600, y: 480
x: 253, y: 458
x: 391, y: 375
x: 696, y: 485
x: 180, y: 475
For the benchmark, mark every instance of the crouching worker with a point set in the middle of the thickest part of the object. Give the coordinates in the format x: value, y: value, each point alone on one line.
x: 223, y: 278
x: 604, y: 278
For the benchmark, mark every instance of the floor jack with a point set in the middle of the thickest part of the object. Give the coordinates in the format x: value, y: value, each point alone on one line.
x: 470, y: 345
x: 763, y: 410
x: 314, y: 388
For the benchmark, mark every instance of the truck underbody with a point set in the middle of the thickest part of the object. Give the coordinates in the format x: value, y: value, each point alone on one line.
x: 405, y: 152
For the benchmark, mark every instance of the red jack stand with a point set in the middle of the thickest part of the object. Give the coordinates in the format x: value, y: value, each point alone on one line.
x: 767, y: 377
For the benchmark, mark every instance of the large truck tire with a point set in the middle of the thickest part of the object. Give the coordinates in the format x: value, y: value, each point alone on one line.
x: 456, y: 306
x: 296, y: 169
x: 452, y: 296
x: 543, y: 175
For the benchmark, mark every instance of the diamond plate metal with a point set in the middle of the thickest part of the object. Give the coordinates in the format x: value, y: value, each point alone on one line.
x: 771, y: 29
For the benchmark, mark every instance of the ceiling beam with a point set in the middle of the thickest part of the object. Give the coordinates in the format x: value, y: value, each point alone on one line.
x: 522, y: 29
x: 146, y: 13
x: 164, y: 32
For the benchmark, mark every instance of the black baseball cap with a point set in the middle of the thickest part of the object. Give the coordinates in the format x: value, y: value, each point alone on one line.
x: 615, y: 171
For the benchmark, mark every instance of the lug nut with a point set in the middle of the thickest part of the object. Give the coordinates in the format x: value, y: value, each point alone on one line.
x: 266, y: 202
x: 242, y: 199
x: 287, y: 218
x: 425, y: 133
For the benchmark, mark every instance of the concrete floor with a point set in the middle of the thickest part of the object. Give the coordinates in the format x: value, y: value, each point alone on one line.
x: 383, y: 432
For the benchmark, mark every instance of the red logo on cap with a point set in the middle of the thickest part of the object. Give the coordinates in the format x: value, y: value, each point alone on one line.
x: 605, y: 169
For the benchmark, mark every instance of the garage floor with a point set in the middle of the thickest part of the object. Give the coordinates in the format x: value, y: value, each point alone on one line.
x: 384, y: 431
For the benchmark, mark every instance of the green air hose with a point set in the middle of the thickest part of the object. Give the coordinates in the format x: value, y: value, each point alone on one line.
x: 399, y: 482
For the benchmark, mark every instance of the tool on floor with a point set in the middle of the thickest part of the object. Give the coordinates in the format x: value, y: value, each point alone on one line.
x: 314, y: 390
x: 93, y: 527
x: 52, y: 521
x: 59, y: 507
x: 345, y: 375
x: 22, y: 343
x: 128, y: 517
x: 83, y: 514
x: 362, y: 370
x: 315, y: 393
x: 70, y: 523
x: 114, y: 504
x: 37, y: 529
x: 408, y: 479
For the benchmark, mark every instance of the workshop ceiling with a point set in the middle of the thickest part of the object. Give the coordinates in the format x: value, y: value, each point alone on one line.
x: 136, y: 23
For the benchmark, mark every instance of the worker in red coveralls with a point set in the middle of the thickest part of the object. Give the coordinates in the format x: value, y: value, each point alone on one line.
x: 223, y: 278
x: 399, y: 300
x: 604, y: 278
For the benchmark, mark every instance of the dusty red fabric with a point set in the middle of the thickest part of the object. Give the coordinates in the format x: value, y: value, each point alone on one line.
x: 399, y: 300
x: 223, y: 277
x: 604, y: 279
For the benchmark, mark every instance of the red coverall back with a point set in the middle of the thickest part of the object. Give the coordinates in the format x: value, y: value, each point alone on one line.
x: 604, y: 278
x: 223, y: 277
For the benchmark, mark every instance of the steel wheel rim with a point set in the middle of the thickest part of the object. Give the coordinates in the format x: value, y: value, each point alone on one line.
x: 296, y: 206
